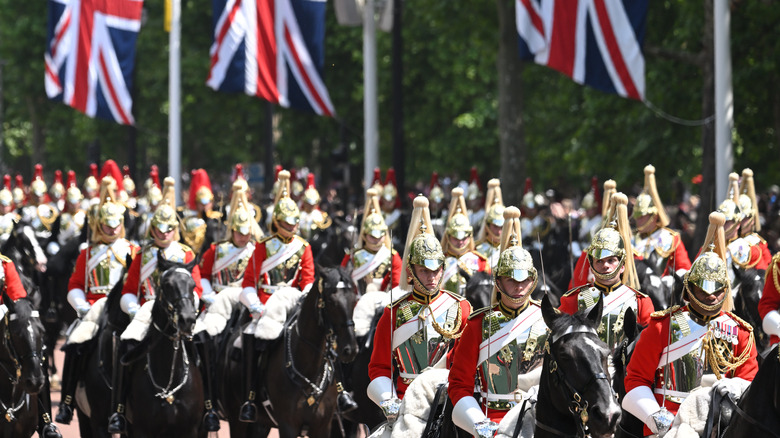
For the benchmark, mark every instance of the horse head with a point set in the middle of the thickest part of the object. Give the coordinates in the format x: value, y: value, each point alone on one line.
x: 479, y: 286
x: 575, y: 372
x: 23, y: 248
x: 337, y: 299
x: 175, y: 296
x: 22, y: 345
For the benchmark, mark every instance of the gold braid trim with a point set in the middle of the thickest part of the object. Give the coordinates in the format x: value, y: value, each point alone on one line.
x: 746, y: 265
x: 456, y: 332
x: 719, y: 364
x: 660, y: 313
x: 47, y: 221
x: 773, y: 272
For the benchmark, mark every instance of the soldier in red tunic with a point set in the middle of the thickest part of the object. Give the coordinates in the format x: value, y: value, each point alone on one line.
x: 420, y: 328
x: 458, y: 246
x: 282, y: 263
x: 376, y: 266
x: 98, y: 268
x: 684, y: 344
x: 502, y: 346
x: 489, y: 237
x: 612, y: 264
x: 758, y: 256
x: 139, y: 290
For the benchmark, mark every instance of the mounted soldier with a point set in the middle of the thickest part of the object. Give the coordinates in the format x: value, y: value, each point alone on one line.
x: 19, y: 193
x: 611, y: 261
x: 376, y: 266
x: 71, y: 219
x: 98, y: 268
x: 653, y: 240
x: 91, y: 188
x: 582, y: 274
x: 684, y: 347
x: 489, y: 236
x: 57, y: 191
x: 502, y: 345
x: 420, y: 328
x: 150, y: 202
x: 458, y: 246
x: 129, y: 188
x: 312, y: 218
x: 282, y: 266
x: 39, y: 213
x: 200, y: 205
x: 756, y: 254
x: 139, y: 290
x: 8, y: 216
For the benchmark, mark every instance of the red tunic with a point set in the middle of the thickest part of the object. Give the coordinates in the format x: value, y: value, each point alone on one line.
x: 381, y: 364
x: 643, y: 368
x: 207, y: 262
x: 644, y: 305
x: 78, y: 278
x: 760, y: 257
x: 393, y: 277
x: 134, y: 276
x: 581, y: 272
x: 770, y: 299
x: 13, y: 284
x: 303, y: 278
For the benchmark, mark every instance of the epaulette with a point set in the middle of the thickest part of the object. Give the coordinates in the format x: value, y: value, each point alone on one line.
x: 480, y: 255
x: 537, y: 303
x: 639, y: 292
x: 5, y: 259
x: 265, y: 239
x: 671, y: 231
x: 746, y: 325
x: 576, y: 290
x: 213, y: 214
x: 454, y: 295
x: 305, y: 243
x: 399, y: 300
x: 662, y: 313
x: 186, y: 248
x: 478, y: 312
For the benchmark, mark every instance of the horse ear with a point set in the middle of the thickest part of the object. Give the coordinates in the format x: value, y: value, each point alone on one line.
x: 194, y: 262
x: 594, y: 315
x: 549, y: 313
x: 162, y: 263
x: 629, y: 324
x: 129, y: 260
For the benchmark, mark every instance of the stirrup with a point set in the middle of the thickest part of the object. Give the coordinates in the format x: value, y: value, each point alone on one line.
x: 211, y: 421
x: 248, y: 412
x: 65, y: 413
x: 346, y: 403
x: 50, y: 431
x: 117, y: 423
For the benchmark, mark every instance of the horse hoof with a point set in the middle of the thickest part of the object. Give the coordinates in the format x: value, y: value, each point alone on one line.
x: 65, y: 414
x: 248, y: 413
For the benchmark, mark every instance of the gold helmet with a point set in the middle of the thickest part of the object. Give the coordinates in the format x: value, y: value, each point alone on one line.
x: 747, y: 200
x: 373, y: 222
x: 57, y: 190
x: 164, y: 218
x: 285, y: 209
x: 6, y: 197
x: 242, y: 218
x: 458, y: 225
x: 200, y: 189
x: 592, y: 199
x: 421, y: 247
x: 38, y: 185
x: 648, y: 202
x: 154, y: 193
x: 514, y: 261
x: 730, y: 207
x: 18, y: 191
x: 709, y: 271
x: 127, y: 181
x: 91, y: 183
x: 435, y: 192
x: 390, y: 188
x: 474, y: 189
x: 107, y: 212
x: 73, y: 194
x: 614, y: 239
x: 311, y: 196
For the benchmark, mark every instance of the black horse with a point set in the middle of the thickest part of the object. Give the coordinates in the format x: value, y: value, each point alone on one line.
x: 297, y: 386
x: 758, y: 411
x: 630, y: 426
x: 575, y: 393
x: 748, y: 286
x: 166, y: 387
x: 22, y: 377
x: 23, y: 248
x: 661, y: 293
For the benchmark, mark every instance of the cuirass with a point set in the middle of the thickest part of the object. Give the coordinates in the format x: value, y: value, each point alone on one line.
x: 660, y: 241
x: 108, y: 271
x: 469, y: 262
x: 283, y: 272
x: 611, y: 330
x: 490, y: 252
x: 363, y: 256
x: 174, y: 253
x: 684, y: 374
x: 526, y: 352
x: 233, y: 274
x: 426, y: 346
x: 7, y: 223
x: 193, y: 231
x: 70, y: 225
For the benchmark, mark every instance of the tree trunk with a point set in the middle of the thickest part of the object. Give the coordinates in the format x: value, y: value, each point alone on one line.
x: 510, y: 106
x: 708, y: 201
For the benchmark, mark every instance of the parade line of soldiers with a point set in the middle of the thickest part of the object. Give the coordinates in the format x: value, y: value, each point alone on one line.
x: 417, y: 267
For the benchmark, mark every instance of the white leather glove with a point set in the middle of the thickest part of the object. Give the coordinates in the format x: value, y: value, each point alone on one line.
x: 129, y: 304
x: 82, y: 309
x: 469, y: 416
x: 771, y: 323
x: 52, y: 248
x: 641, y: 403
x: 733, y: 386
x: 208, y: 298
x: 257, y: 310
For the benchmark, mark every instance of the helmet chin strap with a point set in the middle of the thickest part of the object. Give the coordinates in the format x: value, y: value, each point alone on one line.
x: 706, y: 307
x: 513, y: 300
x: 421, y: 288
x: 609, y: 275
x: 646, y: 227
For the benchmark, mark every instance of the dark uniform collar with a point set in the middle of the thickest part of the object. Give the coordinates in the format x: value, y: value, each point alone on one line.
x: 699, y: 318
x: 512, y: 313
x: 423, y: 298
x: 607, y: 289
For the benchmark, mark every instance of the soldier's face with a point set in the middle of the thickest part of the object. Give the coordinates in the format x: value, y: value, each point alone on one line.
x: 706, y: 299
x: 459, y: 243
x: 241, y: 240
x: 495, y: 230
x: 429, y: 279
x: 6, y: 208
x: 163, y: 239
x: 515, y: 292
x: 373, y: 243
x: 646, y: 223
x: 607, y: 265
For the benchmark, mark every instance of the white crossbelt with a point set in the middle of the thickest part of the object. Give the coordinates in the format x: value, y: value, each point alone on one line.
x: 375, y: 261
x: 409, y: 328
x: 281, y: 256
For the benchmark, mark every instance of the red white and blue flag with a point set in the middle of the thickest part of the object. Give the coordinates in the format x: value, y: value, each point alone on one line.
x: 272, y: 49
x: 90, y: 55
x: 594, y: 42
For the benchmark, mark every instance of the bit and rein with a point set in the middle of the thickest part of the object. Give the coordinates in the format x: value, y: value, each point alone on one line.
x: 13, y: 376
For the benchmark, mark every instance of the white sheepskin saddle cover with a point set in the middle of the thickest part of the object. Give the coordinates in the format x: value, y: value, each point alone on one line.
x: 139, y: 326
x: 277, y: 308
x: 214, y: 319
x: 87, y: 328
x: 365, y: 309
x: 691, y: 418
x: 506, y: 428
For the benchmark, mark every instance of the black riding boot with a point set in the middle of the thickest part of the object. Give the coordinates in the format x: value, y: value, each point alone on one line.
x: 205, y: 351
x: 70, y: 372
x: 117, y: 422
x: 345, y: 401
x: 248, y: 412
x: 46, y: 429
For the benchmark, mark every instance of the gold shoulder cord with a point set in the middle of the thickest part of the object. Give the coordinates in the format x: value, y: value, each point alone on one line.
x: 455, y: 333
x: 773, y: 271
x: 48, y: 221
x: 714, y: 352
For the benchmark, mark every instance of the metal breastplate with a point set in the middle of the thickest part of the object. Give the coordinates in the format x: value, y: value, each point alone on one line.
x: 174, y: 253
x: 108, y: 271
x: 684, y: 374
x: 283, y: 272
x: 490, y: 252
x: 70, y: 226
x: 469, y: 262
x: 193, y: 231
x: 233, y: 274
x: 426, y: 346
x: 611, y: 330
x: 363, y: 256
x: 7, y: 223
x: 526, y: 352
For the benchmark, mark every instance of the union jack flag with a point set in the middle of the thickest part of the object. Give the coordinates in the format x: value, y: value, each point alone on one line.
x: 272, y: 49
x: 594, y: 42
x: 90, y: 55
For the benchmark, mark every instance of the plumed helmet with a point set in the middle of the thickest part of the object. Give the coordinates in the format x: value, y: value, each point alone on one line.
x: 747, y: 199
x: 164, y: 218
x: 285, y: 209
x: 376, y: 183
x: 435, y: 192
x: 516, y: 263
x: 57, y: 189
x: 241, y: 217
x: 127, y: 181
x: 18, y: 191
x: 38, y: 185
x: 459, y: 226
x: 390, y: 188
x: 108, y: 211
x: 241, y: 220
x: 495, y: 215
x: 373, y: 222
x: 311, y: 196
x: 730, y: 206
x: 614, y: 239
x: 73, y: 194
x: 91, y: 183
x: 648, y: 202
x: 709, y: 272
x: 374, y: 225
x: 606, y: 243
x: 426, y: 250
x: 474, y: 189
x: 6, y: 197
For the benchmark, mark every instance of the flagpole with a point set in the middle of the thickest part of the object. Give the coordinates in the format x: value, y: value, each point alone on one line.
x: 371, y: 125
x: 174, y: 99
x: 724, y: 98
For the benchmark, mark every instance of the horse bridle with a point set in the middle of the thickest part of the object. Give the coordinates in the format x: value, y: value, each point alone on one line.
x: 170, y: 307
x: 14, y: 376
x: 577, y: 405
